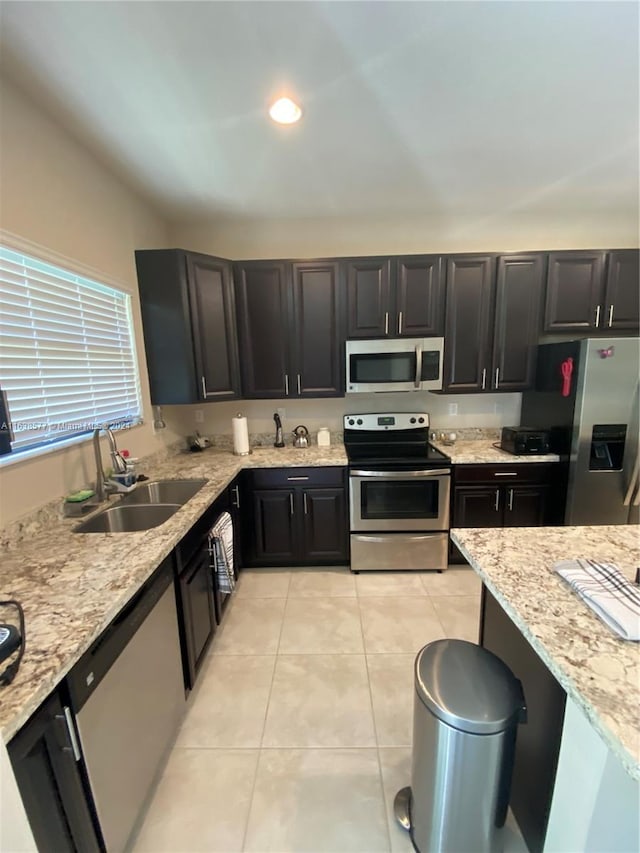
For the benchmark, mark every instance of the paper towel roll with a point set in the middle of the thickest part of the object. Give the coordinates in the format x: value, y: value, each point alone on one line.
x: 240, y: 435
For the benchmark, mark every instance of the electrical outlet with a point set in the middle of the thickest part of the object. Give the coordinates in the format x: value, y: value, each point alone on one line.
x: 498, y: 408
x: 199, y: 416
x: 453, y: 408
x: 282, y: 412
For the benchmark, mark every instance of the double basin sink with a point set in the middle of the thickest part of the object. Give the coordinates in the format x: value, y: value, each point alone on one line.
x: 149, y: 505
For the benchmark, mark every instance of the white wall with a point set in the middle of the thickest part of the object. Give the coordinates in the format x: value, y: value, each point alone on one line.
x: 504, y: 231
x: 474, y: 410
x: 15, y: 832
x: 54, y: 193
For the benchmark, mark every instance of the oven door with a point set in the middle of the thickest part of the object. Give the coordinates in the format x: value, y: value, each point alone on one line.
x: 411, y: 364
x: 399, y: 500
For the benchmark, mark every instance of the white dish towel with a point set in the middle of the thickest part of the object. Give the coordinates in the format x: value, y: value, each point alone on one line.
x: 607, y: 591
x: 221, y: 542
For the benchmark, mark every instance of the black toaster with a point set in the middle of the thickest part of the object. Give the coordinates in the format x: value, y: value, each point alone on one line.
x: 524, y: 441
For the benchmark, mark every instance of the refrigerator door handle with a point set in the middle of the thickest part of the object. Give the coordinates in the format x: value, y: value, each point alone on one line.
x: 631, y: 499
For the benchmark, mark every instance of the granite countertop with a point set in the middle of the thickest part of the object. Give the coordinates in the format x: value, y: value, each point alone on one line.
x: 599, y: 671
x: 482, y: 451
x: 72, y: 585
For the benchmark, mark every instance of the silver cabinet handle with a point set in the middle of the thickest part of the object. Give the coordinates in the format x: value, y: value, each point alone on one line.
x: 286, y: 385
x: 510, y: 499
x: 505, y: 474
x: 597, y: 316
x: 290, y: 503
x: 204, y: 386
x: 71, y: 731
x: 610, y: 316
x: 386, y: 322
x: 497, y: 503
x: 484, y: 378
x: 299, y: 384
x: 400, y: 323
x: 497, y: 378
x: 236, y: 492
x: 304, y: 502
x: 297, y: 478
x: 418, y: 378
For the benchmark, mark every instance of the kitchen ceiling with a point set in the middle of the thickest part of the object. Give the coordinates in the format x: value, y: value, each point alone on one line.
x: 418, y: 108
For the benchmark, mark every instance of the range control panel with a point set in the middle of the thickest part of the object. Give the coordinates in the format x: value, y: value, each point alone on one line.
x: 387, y: 421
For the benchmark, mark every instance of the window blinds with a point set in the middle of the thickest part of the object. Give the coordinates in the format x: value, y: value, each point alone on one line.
x: 67, y: 353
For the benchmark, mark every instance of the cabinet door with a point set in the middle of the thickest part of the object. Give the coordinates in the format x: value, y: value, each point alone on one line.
x: 477, y: 506
x: 166, y: 320
x: 196, y: 587
x: 622, y: 293
x: 467, y: 323
x: 50, y: 783
x: 517, y: 316
x: 419, y: 307
x: 368, y: 298
x: 213, y: 322
x: 574, y: 291
x: 262, y: 305
x: 317, y: 369
x: 325, y: 526
x: 525, y: 506
x: 274, y: 534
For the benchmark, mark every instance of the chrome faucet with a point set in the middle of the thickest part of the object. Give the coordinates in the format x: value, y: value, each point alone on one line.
x: 117, y: 462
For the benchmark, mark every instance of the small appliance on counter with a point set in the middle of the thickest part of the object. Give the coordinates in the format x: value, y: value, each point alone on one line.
x: 524, y: 441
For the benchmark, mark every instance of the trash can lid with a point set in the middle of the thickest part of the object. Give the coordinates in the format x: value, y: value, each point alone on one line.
x: 467, y: 687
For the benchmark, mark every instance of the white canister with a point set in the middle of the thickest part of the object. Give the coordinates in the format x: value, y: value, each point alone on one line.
x: 324, y: 437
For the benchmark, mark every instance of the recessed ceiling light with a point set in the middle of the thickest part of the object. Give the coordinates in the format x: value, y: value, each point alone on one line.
x: 285, y: 111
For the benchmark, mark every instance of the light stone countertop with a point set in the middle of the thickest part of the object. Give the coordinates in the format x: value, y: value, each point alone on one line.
x: 599, y: 671
x: 71, y: 585
x: 482, y: 451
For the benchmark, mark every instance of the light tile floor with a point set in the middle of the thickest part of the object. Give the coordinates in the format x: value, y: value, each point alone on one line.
x: 298, y: 734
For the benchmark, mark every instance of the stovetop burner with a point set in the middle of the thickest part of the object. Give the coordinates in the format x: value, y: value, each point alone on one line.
x: 391, y: 441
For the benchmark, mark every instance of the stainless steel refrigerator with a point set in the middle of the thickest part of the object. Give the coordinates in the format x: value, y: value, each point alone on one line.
x: 587, y: 395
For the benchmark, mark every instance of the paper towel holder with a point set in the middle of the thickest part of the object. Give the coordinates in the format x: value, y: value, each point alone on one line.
x: 241, y: 452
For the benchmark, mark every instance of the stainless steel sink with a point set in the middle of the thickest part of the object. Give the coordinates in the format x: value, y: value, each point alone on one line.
x: 163, y: 492
x: 129, y: 518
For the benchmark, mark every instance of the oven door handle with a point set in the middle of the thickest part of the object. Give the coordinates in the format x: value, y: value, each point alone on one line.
x: 418, y: 378
x: 401, y: 475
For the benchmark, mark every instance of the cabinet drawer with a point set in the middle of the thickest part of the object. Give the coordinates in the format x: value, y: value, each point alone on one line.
x: 287, y: 478
x: 503, y: 474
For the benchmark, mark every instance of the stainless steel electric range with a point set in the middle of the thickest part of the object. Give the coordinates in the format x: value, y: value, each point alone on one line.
x: 399, y: 488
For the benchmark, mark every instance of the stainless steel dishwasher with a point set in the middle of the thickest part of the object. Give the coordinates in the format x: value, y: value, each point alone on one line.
x: 128, y: 696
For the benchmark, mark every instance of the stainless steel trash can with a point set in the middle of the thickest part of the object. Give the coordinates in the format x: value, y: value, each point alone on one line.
x: 467, y: 707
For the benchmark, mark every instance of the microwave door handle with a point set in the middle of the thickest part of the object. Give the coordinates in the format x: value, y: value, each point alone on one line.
x: 418, y: 378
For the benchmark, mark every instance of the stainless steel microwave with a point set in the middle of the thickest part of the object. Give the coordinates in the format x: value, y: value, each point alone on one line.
x: 399, y: 364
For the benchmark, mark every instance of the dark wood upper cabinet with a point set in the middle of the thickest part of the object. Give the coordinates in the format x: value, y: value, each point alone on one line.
x: 290, y: 331
x: 188, y: 317
x: 399, y: 297
x: 574, y: 292
x: 621, y: 302
x: 516, y: 324
x: 368, y: 294
x: 470, y: 281
x: 419, y: 305
x: 316, y: 329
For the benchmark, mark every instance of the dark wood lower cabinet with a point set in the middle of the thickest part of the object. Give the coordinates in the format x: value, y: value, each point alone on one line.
x: 538, y: 740
x: 51, y: 785
x: 295, y: 516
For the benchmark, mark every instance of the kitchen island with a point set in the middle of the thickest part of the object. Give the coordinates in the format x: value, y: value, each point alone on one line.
x: 599, y: 672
